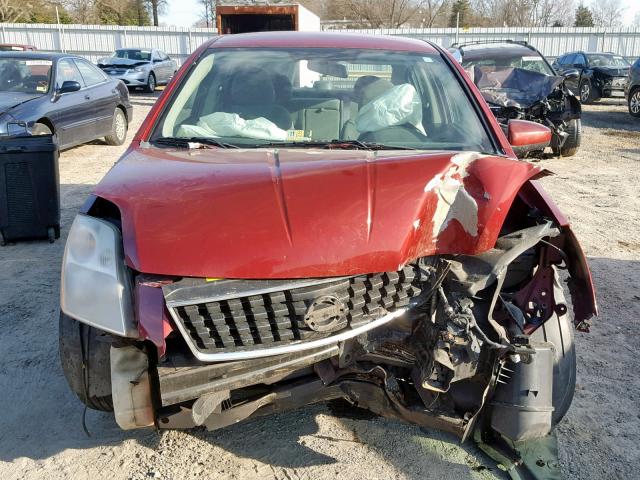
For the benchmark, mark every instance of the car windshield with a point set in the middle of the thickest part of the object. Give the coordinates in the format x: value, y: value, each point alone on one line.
x: 315, y: 96
x: 603, y: 60
x: 24, y: 75
x: 133, y: 54
x: 533, y: 63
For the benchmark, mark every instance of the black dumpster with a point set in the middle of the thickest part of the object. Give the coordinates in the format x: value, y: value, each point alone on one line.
x: 29, y: 188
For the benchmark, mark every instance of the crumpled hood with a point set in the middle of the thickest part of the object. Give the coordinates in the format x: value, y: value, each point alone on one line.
x: 120, y: 62
x: 612, y: 71
x: 8, y: 100
x: 514, y: 87
x: 305, y: 212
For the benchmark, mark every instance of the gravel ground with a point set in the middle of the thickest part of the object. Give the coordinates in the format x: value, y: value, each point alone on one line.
x: 40, y: 427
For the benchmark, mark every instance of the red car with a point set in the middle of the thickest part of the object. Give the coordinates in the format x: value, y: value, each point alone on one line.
x: 313, y: 216
x: 14, y: 47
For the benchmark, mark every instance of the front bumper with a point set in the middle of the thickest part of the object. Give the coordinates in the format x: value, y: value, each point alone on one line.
x: 613, y: 87
x: 131, y: 79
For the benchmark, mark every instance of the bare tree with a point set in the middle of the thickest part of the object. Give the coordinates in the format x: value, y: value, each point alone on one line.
x: 13, y: 11
x: 383, y: 13
x: 432, y: 10
x: 524, y: 13
x: 607, y: 13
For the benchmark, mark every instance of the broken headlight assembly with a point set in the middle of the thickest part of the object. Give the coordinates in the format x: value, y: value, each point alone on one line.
x: 95, y: 286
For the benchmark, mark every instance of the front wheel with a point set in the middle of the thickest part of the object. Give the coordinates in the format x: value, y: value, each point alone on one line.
x: 119, y: 127
x: 571, y: 144
x: 151, y: 83
x: 86, y: 362
x: 634, y: 102
x: 558, y: 330
x: 587, y: 92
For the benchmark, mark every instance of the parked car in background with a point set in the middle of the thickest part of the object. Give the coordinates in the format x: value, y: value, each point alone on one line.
x: 600, y: 75
x: 61, y: 94
x: 632, y: 90
x: 13, y: 47
x: 518, y: 82
x: 140, y: 67
x: 397, y: 254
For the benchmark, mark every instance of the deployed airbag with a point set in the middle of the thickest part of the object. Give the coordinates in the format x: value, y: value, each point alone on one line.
x: 397, y: 106
x: 221, y: 124
x: 514, y: 87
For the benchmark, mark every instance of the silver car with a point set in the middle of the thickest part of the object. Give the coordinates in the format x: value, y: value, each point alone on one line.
x: 139, y: 67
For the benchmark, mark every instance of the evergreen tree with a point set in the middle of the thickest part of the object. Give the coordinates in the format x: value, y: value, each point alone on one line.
x: 462, y: 7
x: 584, y: 18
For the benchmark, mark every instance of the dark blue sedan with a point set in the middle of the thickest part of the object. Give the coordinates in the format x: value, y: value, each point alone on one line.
x: 63, y: 94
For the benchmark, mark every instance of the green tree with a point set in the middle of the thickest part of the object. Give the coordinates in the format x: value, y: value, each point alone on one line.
x: 462, y: 7
x: 584, y: 18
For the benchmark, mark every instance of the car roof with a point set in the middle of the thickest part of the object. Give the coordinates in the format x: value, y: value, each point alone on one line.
x: 495, y: 50
x: 37, y: 55
x: 591, y: 53
x: 322, y: 40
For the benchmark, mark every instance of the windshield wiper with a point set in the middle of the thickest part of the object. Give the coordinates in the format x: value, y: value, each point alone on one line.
x: 192, y: 142
x: 340, y: 144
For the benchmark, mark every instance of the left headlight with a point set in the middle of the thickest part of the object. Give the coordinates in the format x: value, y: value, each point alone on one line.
x: 139, y: 69
x: 95, y: 287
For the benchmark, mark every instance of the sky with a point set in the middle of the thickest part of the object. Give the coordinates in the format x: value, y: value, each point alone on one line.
x: 184, y: 13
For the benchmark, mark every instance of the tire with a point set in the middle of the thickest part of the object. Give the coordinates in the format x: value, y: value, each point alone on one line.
x: 77, y: 340
x: 151, y: 83
x: 559, y: 331
x: 634, y: 102
x: 119, y: 128
x: 571, y: 144
x: 587, y: 92
x: 40, y: 129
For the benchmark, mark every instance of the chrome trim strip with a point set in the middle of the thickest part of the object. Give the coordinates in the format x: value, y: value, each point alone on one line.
x: 294, y: 347
x: 277, y: 286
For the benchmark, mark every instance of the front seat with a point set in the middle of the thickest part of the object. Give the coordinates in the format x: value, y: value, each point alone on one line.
x: 253, y: 96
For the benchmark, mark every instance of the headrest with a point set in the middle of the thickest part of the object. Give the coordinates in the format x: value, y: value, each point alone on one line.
x: 374, y: 89
x: 252, y: 87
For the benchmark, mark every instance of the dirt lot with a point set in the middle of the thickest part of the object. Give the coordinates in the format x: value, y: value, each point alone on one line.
x: 40, y: 421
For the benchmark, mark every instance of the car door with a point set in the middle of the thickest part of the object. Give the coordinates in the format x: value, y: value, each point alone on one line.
x: 571, y: 83
x: 158, y: 69
x: 103, y: 96
x: 74, y: 118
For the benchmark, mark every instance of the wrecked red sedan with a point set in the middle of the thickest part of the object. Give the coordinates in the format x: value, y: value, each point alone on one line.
x: 307, y: 217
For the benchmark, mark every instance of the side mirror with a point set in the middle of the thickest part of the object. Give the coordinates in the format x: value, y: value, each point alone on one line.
x: 526, y: 137
x: 69, y: 86
x: 571, y: 74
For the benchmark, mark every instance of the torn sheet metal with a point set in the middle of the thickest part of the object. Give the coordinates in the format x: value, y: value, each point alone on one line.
x: 454, y: 202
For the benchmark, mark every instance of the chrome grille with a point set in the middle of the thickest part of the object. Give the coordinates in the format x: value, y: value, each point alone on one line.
x: 278, y: 317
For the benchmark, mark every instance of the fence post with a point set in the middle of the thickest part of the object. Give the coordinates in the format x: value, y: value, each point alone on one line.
x: 190, y: 48
x: 4, y: 34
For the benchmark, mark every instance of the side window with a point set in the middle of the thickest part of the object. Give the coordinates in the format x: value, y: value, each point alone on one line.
x: 562, y: 60
x: 90, y: 74
x: 579, y: 60
x: 67, y: 71
x: 163, y: 56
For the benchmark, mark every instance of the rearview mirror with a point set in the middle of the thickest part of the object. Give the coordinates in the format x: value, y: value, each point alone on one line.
x: 69, y: 86
x: 327, y: 67
x: 526, y: 137
x: 571, y: 74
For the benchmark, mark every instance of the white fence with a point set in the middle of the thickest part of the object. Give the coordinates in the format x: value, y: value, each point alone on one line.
x: 94, y: 41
